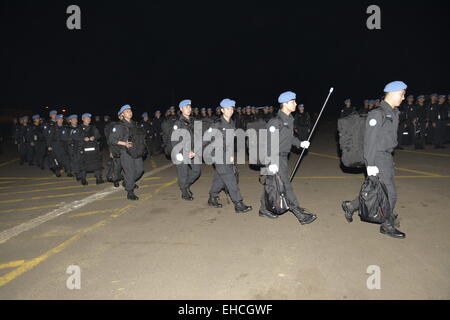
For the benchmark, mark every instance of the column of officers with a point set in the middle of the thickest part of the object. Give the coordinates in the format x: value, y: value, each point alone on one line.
x: 423, y: 120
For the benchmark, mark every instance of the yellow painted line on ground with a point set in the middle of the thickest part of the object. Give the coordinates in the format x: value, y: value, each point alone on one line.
x: 31, y: 208
x: 5, y: 182
x: 152, y: 178
x: 48, y: 197
x: 31, y: 185
x: 8, y: 162
x: 418, y: 172
x: 12, y: 264
x: 89, y: 213
x: 30, y: 264
x: 426, y: 153
x: 49, y: 189
x: 398, y: 168
x: 153, y: 162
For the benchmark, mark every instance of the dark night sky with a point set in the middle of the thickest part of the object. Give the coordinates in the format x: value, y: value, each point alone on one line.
x: 152, y: 54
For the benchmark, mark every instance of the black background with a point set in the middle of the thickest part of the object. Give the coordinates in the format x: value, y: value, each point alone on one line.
x: 152, y: 54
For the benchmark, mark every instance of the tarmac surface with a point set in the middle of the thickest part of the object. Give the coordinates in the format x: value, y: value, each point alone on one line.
x: 162, y: 247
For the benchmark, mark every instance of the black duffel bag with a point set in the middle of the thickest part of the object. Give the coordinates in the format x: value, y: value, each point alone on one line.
x: 374, y: 204
x: 91, y: 158
x: 274, y: 194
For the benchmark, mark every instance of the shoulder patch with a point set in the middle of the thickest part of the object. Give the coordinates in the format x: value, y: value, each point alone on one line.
x: 272, y: 129
x: 175, y: 127
x: 114, y: 129
x: 372, y: 122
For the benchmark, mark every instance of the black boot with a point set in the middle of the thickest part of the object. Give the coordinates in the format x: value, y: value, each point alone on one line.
x: 69, y: 174
x: 214, y: 202
x: 190, y: 192
x: 302, y: 216
x: 84, y: 182
x: 58, y: 173
x: 267, y: 214
x: 349, y: 210
x: 240, y: 207
x: 99, y: 180
x: 116, y: 184
x: 132, y: 196
x: 185, y: 195
x: 391, y: 231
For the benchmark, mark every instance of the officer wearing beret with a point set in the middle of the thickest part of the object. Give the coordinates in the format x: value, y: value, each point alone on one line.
x: 23, y: 143
x: 187, y: 171
x: 439, y: 119
x: 119, y: 136
x: 421, y: 123
x: 225, y: 175
x: 88, y: 137
x: 157, y: 139
x: 302, y: 123
x: 347, y: 109
x: 380, y: 139
x: 166, y: 128
x: 57, y: 146
x: 283, y: 123
x: 36, y: 140
x: 149, y: 132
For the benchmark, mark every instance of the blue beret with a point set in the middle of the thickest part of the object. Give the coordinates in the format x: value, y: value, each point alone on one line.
x: 209, y: 109
x: 286, y: 97
x: 72, y: 116
x: 36, y: 116
x: 366, y: 101
x: 433, y: 95
x: 125, y: 107
x: 347, y: 100
x: 145, y: 115
x: 301, y: 105
x: 172, y: 108
x: 157, y: 111
x: 86, y: 115
x: 184, y: 103
x: 238, y: 108
x: 410, y: 96
x: 106, y: 117
x: 53, y: 112
x: 25, y: 118
x: 218, y: 108
x: 203, y: 109
x: 395, y: 86
x: 195, y: 109
x: 442, y: 96
x: 227, y: 103
x: 376, y: 101
x: 59, y: 116
x: 421, y: 97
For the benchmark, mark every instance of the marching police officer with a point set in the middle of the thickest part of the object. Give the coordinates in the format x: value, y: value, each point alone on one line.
x: 146, y: 125
x: 23, y: 142
x: 380, y: 139
x: 166, y: 128
x: 88, y: 138
x: 348, y: 109
x: 157, y: 138
x: 302, y: 123
x: 420, y: 124
x: 57, y: 145
x: 284, y: 123
x: 74, y: 146
x: 36, y: 148
x: 439, y: 118
x: 225, y: 176
x: 133, y: 168
x: 187, y: 171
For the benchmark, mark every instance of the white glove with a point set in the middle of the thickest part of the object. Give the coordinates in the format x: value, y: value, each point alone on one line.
x: 179, y: 157
x: 372, y: 171
x: 273, y: 168
x: 304, y: 144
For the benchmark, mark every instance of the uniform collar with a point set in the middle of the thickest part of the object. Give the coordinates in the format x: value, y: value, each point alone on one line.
x: 387, y: 107
x: 284, y: 116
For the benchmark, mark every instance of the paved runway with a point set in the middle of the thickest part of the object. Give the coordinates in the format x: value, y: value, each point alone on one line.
x: 162, y: 247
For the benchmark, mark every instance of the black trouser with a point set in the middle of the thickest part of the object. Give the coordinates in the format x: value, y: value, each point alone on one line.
x: 36, y: 154
x: 62, y: 156
x: 283, y: 172
x: 419, y: 135
x: 23, y: 152
x: 439, y: 133
x: 188, y: 174
x: 385, y: 164
x: 132, y: 169
x: 225, y: 177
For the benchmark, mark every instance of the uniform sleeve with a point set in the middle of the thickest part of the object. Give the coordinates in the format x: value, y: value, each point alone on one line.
x: 371, y: 136
x: 114, y: 136
x: 97, y: 135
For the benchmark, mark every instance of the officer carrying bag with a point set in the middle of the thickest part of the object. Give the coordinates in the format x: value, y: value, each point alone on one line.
x: 136, y: 135
x: 274, y: 194
x: 373, y: 201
